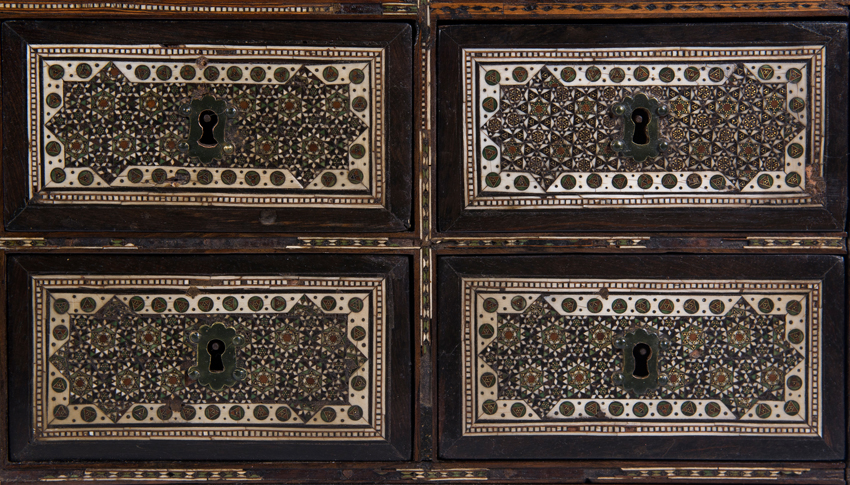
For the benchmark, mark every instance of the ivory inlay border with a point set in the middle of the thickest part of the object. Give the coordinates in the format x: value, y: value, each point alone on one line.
x: 515, y: 298
x: 364, y: 189
x: 180, y: 298
x: 675, y: 179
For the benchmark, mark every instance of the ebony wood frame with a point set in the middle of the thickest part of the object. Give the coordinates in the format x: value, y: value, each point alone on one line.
x: 21, y: 214
x: 455, y: 219
x: 453, y: 445
x: 395, y: 269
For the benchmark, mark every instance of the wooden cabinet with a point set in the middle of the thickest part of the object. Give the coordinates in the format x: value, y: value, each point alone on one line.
x: 381, y: 241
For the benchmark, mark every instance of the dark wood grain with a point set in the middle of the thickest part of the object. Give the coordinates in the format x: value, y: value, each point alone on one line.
x: 577, y: 10
x: 22, y: 214
x: 453, y: 445
x: 454, y: 218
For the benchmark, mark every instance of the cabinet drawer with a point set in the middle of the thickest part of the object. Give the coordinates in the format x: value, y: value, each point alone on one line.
x: 652, y: 357
x: 738, y: 127
x: 198, y: 358
x: 203, y: 125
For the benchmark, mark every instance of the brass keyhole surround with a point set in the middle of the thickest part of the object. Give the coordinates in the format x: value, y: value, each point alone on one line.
x: 641, y: 361
x: 208, y: 135
x: 641, y: 131
x: 216, y: 365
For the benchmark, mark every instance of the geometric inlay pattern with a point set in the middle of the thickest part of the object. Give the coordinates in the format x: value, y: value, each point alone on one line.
x: 302, y: 125
x: 737, y: 129
x: 733, y: 360
x: 119, y: 358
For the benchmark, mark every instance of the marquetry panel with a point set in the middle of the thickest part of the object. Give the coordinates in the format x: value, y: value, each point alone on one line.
x: 121, y: 353
x: 744, y: 354
x: 735, y: 123
x: 302, y: 126
x: 286, y: 360
x: 744, y: 128
x: 544, y: 356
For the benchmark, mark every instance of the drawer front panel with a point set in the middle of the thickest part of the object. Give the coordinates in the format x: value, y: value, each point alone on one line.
x: 735, y: 123
x: 621, y: 357
x: 300, y: 126
x: 739, y: 130
x: 159, y: 357
x: 731, y: 361
x: 301, y: 359
x: 289, y: 119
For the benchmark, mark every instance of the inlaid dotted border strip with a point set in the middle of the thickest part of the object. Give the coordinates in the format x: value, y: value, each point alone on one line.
x: 375, y: 175
x: 80, y: 302
x: 356, y: 178
x: 152, y: 474
x: 474, y: 199
x: 733, y: 473
x: 655, y: 426
x: 45, y: 286
x: 168, y: 8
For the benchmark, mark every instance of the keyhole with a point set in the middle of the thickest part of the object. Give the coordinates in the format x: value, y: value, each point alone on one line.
x: 642, y: 353
x: 641, y: 118
x: 215, y: 349
x: 208, y: 119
